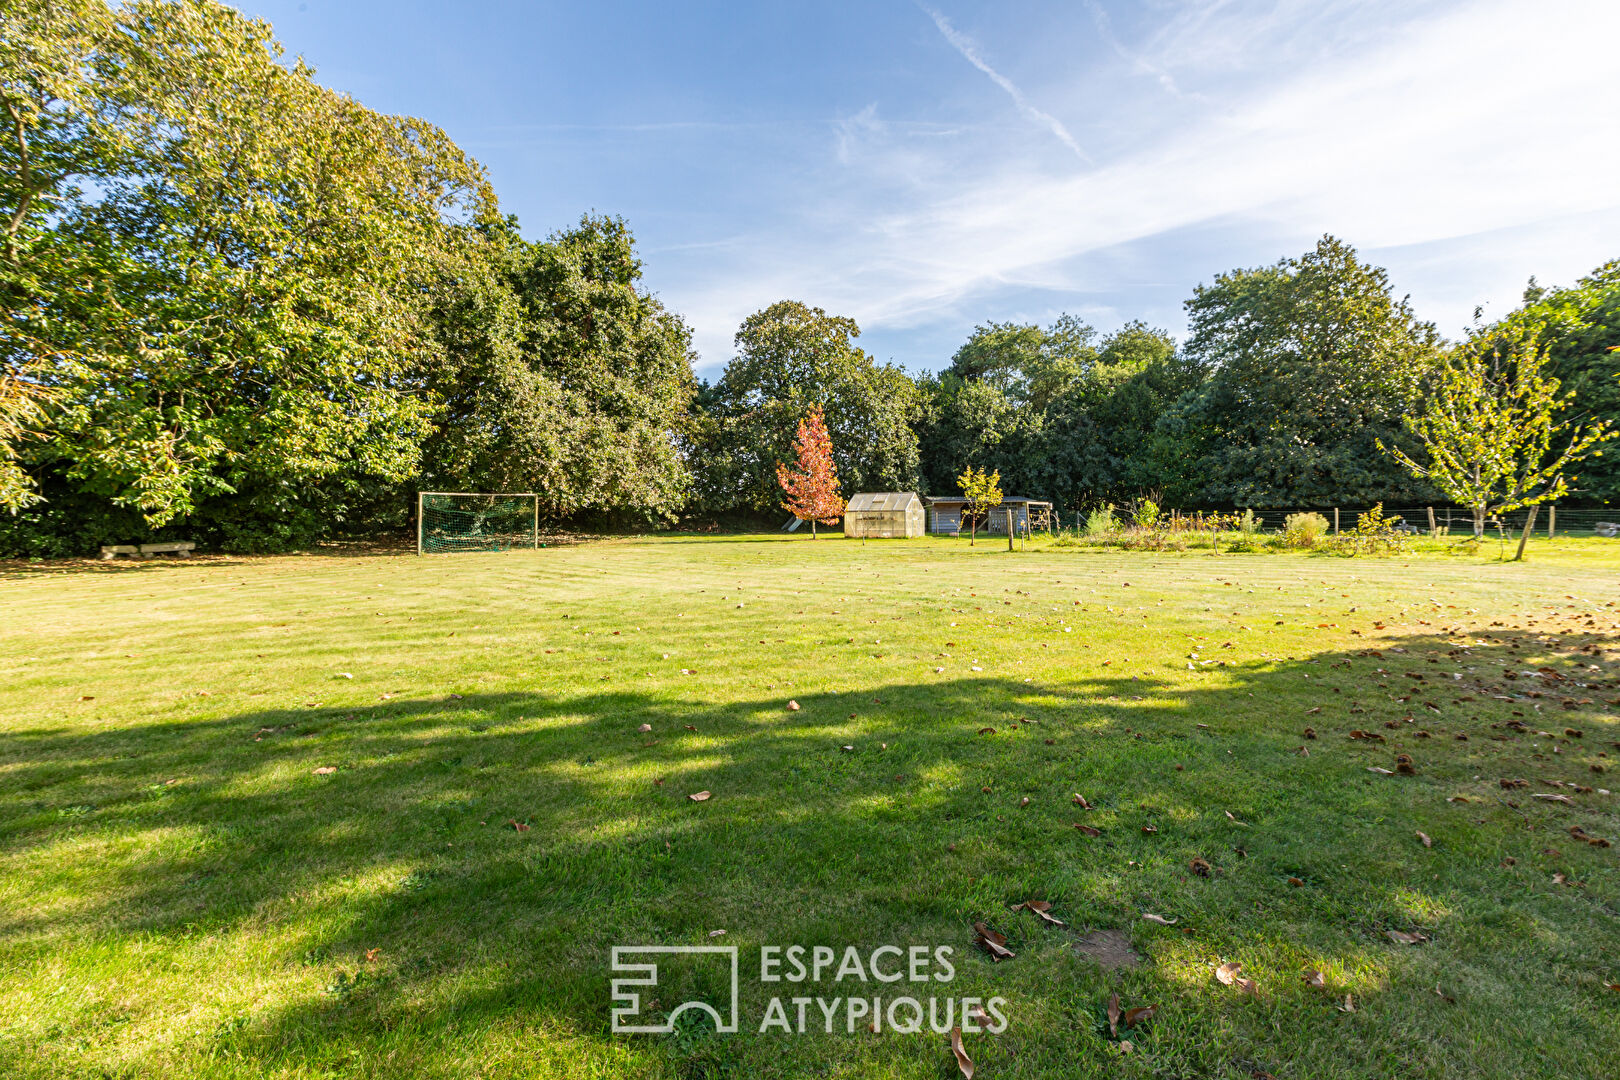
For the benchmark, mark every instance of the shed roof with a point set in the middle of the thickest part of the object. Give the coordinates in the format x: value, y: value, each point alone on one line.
x: 881, y: 500
x: 963, y: 498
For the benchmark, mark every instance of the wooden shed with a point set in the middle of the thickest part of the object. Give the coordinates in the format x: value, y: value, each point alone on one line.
x: 945, y: 515
x: 884, y: 514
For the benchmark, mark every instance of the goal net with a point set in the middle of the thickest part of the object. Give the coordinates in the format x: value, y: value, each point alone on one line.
x: 462, y: 521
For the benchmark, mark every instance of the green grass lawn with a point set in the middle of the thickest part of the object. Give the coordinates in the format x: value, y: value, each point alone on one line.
x: 184, y: 894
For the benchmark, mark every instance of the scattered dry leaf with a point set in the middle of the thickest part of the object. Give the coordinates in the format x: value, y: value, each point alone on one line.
x: 1087, y: 829
x: 963, y: 1062
x: 1315, y: 978
x: 517, y: 826
x: 644, y: 727
x: 1160, y: 919
x: 1401, y: 937
x: 1139, y: 1015
x: 1349, y: 1004
x: 1423, y: 836
x: 326, y: 770
x: 1080, y: 801
x: 991, y: 942
x: 699, y: 796
x: 1113, y: 1015
x: 1039, y: 908
x: 1200, y: 867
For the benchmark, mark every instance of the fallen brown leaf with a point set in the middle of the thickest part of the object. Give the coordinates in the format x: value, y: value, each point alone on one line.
x: 1080, y: 801
x: 1315, y: 978
x: 963, y: 1062
x: 1349, y: 1004
x: 1113, y: 1015
x: 326, y: 770
x: 991, y: 942
x: 1039, y: 908
x: 1139, y: 1015
x: 699, y: 796
x: 1087, y: 829
x: 1200, y: 867
x: 1160, y: 919
x: 1401, y: 937
x: 644, y: 727
x: 987, y: 731
x: 1423, y: 836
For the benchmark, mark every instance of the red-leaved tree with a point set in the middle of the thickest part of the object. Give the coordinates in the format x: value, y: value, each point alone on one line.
x: 812, y: 488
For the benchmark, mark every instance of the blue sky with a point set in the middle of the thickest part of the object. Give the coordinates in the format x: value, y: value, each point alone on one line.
x: 928, y: 167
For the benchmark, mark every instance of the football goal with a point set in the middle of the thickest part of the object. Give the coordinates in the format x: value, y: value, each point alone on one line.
x: 476, y: 521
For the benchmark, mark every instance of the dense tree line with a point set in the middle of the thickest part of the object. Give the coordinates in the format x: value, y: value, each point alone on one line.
x: 242, y: 308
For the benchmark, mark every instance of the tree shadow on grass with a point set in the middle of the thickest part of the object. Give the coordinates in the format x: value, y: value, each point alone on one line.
x: 901, y: 825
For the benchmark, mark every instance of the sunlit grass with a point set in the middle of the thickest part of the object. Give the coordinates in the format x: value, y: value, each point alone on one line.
x: 182, y: 895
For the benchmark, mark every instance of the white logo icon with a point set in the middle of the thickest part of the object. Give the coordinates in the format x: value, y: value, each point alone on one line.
x: 648, y: 976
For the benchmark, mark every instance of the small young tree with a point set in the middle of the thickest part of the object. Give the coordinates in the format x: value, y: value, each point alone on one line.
x: 983, y: 491
x: 812, y: 488
x: 1490, y: 426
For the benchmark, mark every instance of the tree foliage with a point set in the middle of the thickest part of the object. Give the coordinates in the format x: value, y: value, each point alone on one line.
x: 791, y: 356
x: 983, y: 493
x: 563, y: 376
x: 812, y: 487
x: 1307, y: 364
x: 218, y: 265
x: 1579, y: 329
x: 1492, y: 429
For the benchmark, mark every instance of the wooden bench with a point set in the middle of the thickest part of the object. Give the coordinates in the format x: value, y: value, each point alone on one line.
x: 112, y: 551
x: 181, y: 549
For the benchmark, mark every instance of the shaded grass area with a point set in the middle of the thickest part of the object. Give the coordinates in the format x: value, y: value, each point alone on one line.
x: 181, y: 894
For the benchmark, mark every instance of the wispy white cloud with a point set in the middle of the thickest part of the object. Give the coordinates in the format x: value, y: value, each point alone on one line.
x: 970, y: 52
x: 1426, y: 134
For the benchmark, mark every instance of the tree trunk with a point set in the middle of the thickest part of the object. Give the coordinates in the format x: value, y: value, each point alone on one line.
x: 973, y: 529
x: 812, y: 528
x: 1529, y: 523
x: 1479, y: 522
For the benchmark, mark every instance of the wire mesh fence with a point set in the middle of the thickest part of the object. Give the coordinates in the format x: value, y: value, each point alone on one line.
x: 1551, y: 520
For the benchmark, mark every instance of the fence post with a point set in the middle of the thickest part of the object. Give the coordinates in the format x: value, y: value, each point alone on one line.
x: 419, y: 523
x: 1335, y: 521
x: 537, y: 523
x: 1432, y: 530
x: 1552, y: 519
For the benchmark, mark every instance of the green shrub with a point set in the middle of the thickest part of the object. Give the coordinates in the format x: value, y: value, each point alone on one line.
x: 1305, y: 530
x: 1101, y: 521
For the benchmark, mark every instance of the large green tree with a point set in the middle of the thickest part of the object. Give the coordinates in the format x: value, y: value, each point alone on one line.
x: 789, y: 357
x: 1062, y: 414
x: 219, y: 270
x: 1310, y: 362
x: 562, y: 375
